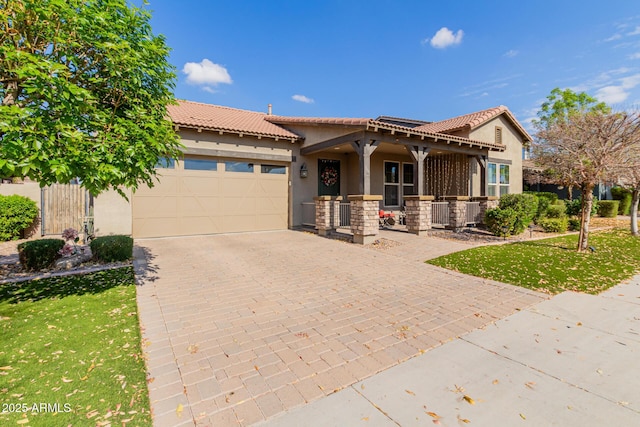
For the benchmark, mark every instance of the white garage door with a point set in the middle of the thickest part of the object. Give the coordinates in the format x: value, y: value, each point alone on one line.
x: 205, y: 195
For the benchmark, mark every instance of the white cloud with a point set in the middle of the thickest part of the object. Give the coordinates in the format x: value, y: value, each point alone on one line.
x: 634, y: 32
x: 511, y: 53
x: 611, y: 94
x: 615, y: 94
x: 206, y: 73
x: 635, y: 56
x: 302, y: 98
x: 445, y: 38
x: 613, y: 38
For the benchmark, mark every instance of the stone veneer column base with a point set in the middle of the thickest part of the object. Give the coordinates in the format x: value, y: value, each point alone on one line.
x: 418, y: 214
x: 327, y: 214
x: 364, y: 217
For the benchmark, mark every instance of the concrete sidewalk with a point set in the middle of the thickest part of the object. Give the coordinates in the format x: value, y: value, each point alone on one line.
x: 568, y: 361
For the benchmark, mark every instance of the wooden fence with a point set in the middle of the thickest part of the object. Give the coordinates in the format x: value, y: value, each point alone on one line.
x: 63, y: 206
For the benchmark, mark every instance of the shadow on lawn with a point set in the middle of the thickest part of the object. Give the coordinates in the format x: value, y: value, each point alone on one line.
x: 64, y: 286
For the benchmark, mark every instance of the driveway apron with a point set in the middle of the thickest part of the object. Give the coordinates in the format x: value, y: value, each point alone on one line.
x: 239, y: 328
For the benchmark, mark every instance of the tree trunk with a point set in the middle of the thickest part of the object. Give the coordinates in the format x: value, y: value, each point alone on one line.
x: 570, y: 192
x: 635, y: 197
x: 587, y: 203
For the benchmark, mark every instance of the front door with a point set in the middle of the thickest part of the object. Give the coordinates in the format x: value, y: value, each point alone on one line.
x: 328, y: 177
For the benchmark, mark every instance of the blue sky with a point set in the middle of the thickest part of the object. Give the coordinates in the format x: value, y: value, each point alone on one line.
x: 418, y: 59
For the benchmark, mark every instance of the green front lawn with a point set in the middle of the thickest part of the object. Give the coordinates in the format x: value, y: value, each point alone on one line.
x: 71, y: 352
x: 553, y: 265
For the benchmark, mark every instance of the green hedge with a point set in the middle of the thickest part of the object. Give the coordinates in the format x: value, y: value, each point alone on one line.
x: 574, y: 207
x: 554, y: 225
x: 500, y: 222
x: 112, y: 248
x: 524, y: 205
x: 608, y: 208
x: 624, y: 196
x: 551, y: 197
x: 17, y: 213
x: 574, y: 224
x: 39, y: 254
x: 556, y: 211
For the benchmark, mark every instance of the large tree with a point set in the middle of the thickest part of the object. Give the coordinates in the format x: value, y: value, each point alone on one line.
x: 587, y: 148
x: 84, y: 86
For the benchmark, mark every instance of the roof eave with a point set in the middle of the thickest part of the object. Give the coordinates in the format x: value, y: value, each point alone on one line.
x: 221, y: 131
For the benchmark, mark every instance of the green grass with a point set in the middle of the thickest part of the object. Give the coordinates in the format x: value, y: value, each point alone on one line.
x: 72, y: 341
x: 553, y: 265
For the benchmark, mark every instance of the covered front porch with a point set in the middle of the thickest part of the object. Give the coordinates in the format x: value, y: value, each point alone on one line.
x: 425, y: 180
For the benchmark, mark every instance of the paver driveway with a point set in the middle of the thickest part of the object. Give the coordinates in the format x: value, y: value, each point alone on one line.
x: 241, y: 327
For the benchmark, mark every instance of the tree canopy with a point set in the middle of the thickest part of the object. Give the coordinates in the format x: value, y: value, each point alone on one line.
x: 84, y: 86
x: 588, y: 148
x: 562, y: 103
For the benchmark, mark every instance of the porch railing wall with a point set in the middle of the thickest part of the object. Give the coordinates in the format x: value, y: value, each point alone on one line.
x: 345, y: 214
x: 473, y: 213
x: 440, y: 214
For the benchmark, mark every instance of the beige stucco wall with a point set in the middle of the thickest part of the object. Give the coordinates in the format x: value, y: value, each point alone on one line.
x: 30, y: 190
x: 112, y: 213
x: 512, y: 139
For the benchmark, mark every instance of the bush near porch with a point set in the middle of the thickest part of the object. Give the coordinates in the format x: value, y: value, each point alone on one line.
x: 553, y: 265
x: 17, y: 213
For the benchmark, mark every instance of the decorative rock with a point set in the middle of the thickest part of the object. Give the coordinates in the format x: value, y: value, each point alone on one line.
x: 66, y: 263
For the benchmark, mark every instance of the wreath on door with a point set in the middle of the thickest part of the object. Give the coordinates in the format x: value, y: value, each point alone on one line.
x: 329, y: 176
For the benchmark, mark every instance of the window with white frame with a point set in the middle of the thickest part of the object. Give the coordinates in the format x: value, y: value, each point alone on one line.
x: 391, y: 183
x: 498, y: 179
x: 408, y: 187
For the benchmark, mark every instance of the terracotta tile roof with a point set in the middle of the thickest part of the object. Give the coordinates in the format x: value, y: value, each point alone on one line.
x: 214, y: 117
x: 318, y: 120
x: 473, y: 120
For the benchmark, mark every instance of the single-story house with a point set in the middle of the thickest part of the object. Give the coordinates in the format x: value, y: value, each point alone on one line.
x: 250, y: 171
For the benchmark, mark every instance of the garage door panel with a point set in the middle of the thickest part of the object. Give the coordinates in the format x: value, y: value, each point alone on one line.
x: 191, y: 202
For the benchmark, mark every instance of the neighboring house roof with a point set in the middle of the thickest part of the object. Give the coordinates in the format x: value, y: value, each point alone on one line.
x: 224, y: 119
x: 376, y: 125
x: 473, y: 120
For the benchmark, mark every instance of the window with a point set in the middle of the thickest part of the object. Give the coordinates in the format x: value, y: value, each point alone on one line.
x: 200, y: 164
x: 165, y: 163
x: 273, y: 169
x: 408, y: 189
x: 498, y: 135
x: 391, y: 184
x: 238, y: 167
x: 498, y: 179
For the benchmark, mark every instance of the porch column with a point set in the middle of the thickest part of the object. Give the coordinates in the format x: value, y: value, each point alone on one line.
x: 482, y: 162
x: 419, y: 154
x: 418, y: 213
x: 457, y: 211
x: 365, y: 148
x: 486, y: 202
x: 364, y: 217
x: 327, y: 214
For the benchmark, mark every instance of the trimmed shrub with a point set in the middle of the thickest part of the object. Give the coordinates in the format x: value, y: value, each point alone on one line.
x: 112, y: 248
x: 17, y: 213
x: 624, y: 196
x: 500, y: 222
x: 574, y: 207
x: 556, y: 211
x: 574, y: 224
x: 608, y: 208
x: 543, y: 206
x: 554, y: 225
x: 551, y: 197
x: 524, y: 205
x: 39, y: 254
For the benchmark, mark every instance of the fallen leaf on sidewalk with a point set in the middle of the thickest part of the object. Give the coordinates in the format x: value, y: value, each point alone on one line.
x: 469, y: 400
x: 530, y: 384
x: 463, y: 420
x: 179, y: 410
x: 410, y: 392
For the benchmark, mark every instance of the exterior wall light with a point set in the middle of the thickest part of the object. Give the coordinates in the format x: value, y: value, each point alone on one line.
x: 304, y: 172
